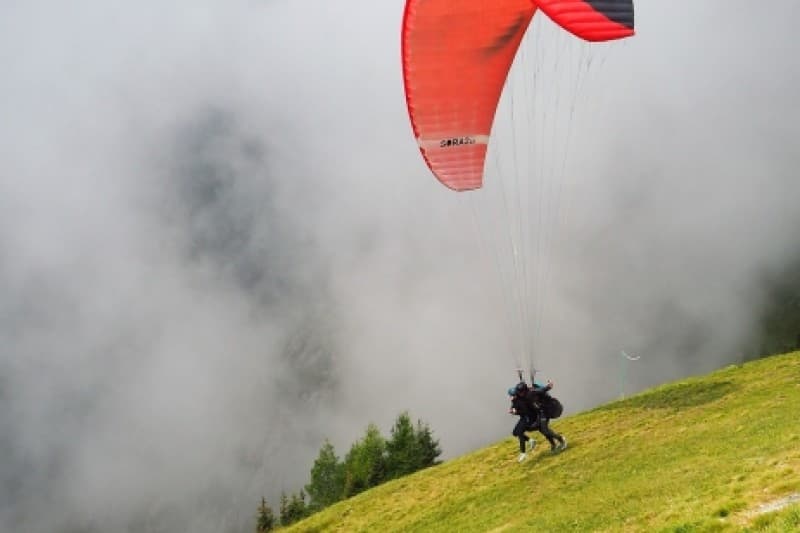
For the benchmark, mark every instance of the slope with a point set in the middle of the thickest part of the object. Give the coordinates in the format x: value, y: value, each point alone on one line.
x: 714, y: 453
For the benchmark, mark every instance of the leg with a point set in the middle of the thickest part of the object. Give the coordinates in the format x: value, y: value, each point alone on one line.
x: 519, y: 432
x: 550, y: 435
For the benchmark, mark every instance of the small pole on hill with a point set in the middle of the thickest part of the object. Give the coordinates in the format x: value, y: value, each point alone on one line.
x: 622, y: 366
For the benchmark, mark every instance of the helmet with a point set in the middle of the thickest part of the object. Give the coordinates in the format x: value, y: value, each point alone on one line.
x: 512, y: 391
x: 521, y: 387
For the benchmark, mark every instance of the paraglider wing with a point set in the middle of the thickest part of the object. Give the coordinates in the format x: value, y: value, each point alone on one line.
x: 592, y: 20
x: 456, y: 56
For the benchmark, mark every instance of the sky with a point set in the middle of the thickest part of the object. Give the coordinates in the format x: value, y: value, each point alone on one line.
x: 219, y: 245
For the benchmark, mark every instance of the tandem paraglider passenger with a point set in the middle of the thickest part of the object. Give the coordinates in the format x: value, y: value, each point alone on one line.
x: 521, y: 407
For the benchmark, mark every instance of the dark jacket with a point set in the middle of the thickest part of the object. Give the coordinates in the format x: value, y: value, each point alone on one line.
x: 531, y: 402
x: 526, y: 403
x: 539, y: 395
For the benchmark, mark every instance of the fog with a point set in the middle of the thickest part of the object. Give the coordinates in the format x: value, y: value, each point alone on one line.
x: 219, y: 245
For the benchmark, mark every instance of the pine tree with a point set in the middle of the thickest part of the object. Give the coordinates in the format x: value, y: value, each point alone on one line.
x: 365, y: 463
x: 327, y: 479
x: 293, y: 508
x: 403, y: 453
x: 266, y: 518
x: 428, y: 449
x: 297, y: 507
x: 283, y: 510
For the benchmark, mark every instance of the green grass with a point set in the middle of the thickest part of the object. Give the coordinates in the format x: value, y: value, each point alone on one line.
x: 701, y: 454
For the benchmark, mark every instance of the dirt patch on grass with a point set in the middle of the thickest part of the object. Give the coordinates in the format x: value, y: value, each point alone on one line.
x: 777, y: 505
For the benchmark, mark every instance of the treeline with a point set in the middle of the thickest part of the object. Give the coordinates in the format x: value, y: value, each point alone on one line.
x: 372, y: 460
x: 779, y: 321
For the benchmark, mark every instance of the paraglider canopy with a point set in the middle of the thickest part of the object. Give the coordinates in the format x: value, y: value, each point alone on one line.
x: 456, y: 57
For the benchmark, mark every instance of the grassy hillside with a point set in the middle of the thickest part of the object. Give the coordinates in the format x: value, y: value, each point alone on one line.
x: 712, y: 453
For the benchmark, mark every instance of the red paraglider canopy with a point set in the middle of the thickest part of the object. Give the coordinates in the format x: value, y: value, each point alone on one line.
x: 456, y: 57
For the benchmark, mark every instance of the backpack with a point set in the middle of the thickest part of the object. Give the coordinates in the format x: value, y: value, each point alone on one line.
x: 551, y: 407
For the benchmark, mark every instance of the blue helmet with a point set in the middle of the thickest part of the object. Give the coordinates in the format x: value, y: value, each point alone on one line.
x: 512, y: 391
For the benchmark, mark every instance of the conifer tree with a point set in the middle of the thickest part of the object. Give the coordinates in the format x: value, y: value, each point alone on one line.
x: 293, y: 508
x: 283, y: 510
x: 266, y: 518
x: 427, y: 447
x: 327, y: 479
x: 365, y: 463
x: 297, y: 507
x: 402, y: 449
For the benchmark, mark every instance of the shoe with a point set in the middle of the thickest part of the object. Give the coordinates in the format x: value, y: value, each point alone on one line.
x: 563, y: 444
x: 522, y: 457
x: 532, y: 444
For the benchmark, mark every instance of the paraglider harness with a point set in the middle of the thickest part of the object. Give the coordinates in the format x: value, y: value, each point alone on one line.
x: 549, y: 406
